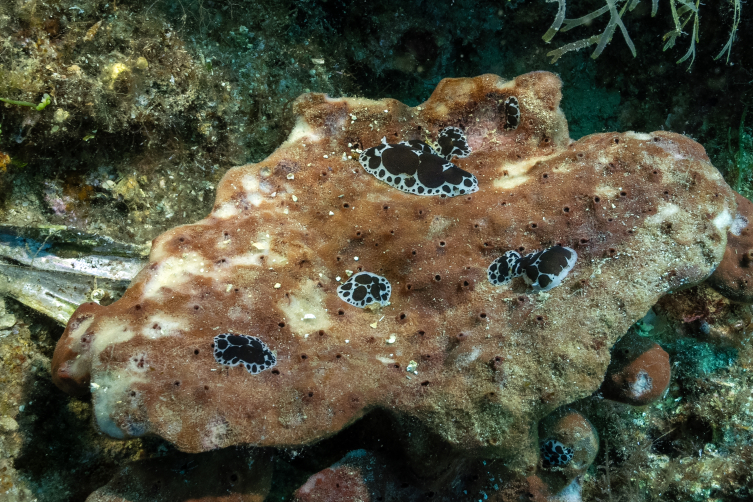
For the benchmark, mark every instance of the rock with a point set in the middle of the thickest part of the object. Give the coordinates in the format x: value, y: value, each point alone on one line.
x: 8, y: 424
x: 703, y: 313
x: 645, y: 214
x: 734, y: 276
x: 365, y: 475
x: 639, y: 372
x: 230, y: 475
x: 6, y: 320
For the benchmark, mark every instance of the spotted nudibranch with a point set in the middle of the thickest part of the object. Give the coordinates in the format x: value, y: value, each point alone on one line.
x: 231, y: 350
x: 542, y: 270
x: 415, y: 167
x: 555, y: 454
x: 365, y: 288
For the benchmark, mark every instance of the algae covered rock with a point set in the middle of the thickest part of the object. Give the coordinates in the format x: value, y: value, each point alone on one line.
x: 229, y: 475
x: 474, y: 363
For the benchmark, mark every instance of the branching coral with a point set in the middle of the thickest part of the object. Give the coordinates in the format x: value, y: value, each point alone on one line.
x: 683, y: 14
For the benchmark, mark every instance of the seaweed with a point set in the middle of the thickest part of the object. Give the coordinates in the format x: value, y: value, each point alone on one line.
x: 683, y: 13
x: 735, y: 23
x: 615, y: 20
x: 742, y: 158
x: 677, y: 14
x: 41, y: 106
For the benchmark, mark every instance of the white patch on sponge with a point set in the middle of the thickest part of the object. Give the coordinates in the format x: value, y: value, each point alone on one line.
x: 642, y: 136
x: 723, y: 221
x: 302, y: 131
x: 110, y: 331
x: 108, y: 396
x: 251, y: 185
x: 173, y: 272
x: 642, y: 385
x: 260, y: 246
x: 738, y: 225
x: 309, y: 299
x: 159, y: 325
x: 665, y: 212
x: 464, y: 360
x: 226, y: 211
x: 514, y: 174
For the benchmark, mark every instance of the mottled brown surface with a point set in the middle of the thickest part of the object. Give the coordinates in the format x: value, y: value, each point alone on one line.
x: 229, y: 475
x: 646, y: 214
x: 734, y: 276
x: 702, y: 312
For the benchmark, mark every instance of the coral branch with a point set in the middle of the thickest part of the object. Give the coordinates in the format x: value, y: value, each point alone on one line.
x: 557, y: 21
x: 575, y: 46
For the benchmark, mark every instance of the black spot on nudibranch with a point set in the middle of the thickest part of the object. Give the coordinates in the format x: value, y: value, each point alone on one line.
x: 511, y: 111
x: 415, y: 167
x: 543, y: 270
x: 251, y: 352
x: 365, y: 288
x: 554, y: 453
x: 503, y: 268
x: 452, y: 143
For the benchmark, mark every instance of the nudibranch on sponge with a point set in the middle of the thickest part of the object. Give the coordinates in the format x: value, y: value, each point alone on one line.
x: 415, y: 167
x: 555, y: 454
x: 365, y: 288
x: 268, y: 259
x: 452, y: 143
x: 542, y: 270
x: 251, y: 352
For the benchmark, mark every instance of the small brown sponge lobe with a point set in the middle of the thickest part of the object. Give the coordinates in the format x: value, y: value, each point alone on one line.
x: 733, y: 278
x: 365, y: 288
x: 251, y: 352
x: 569, y: 448
x: 639, y: 372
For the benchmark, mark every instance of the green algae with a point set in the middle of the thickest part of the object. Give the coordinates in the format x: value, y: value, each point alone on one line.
x: 41, y: 106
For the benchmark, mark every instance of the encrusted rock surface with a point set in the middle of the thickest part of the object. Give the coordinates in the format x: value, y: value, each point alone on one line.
x: 365, y: 475
x: 229, y: 475
x: 646, y: 213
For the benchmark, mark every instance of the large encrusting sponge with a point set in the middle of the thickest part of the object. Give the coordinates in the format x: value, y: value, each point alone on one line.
x: 473, y: 363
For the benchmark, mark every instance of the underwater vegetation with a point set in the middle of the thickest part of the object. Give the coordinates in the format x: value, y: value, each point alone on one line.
x: 119, y: 120
x: 282, y: 270
x: 684, y: 13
